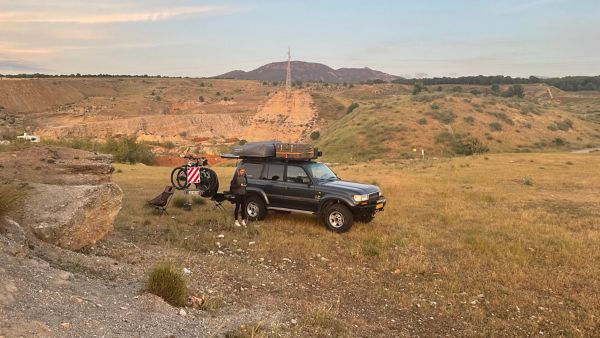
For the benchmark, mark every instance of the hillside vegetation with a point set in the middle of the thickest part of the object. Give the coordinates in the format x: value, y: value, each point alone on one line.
x: 350, y: 122
x: 390, y: 123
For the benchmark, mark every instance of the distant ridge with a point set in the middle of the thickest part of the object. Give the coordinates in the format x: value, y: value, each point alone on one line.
x: 309, y: 72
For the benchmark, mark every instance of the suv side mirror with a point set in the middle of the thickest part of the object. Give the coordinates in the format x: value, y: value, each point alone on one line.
x: 306, y: 180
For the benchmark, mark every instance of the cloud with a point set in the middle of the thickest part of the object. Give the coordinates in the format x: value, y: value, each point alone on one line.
x: 12, y: 65
x: 527, y: 5
x: 115, y: 17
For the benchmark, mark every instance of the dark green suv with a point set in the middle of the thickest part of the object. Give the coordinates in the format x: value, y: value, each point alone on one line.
x: 308, y: 187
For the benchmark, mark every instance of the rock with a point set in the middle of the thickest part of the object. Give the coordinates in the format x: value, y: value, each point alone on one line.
x: 72, y: 217
x: 182, y: 312
x: 66, y: 326
x: 62, y: 166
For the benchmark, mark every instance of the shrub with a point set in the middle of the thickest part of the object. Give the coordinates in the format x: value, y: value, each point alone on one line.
x: 419, y: 87
x: 201, y: 98
x: 564, y: 125
x: 469, y: 119
x: 242, y: 142
x: 502, y: 116
x: 183, y: 134
x: 169, y: 145
x: 435, y: 106
x: 199, y: 200
x: 552, y: 127
x: 10, y: 199
x: 168, y: 283
x: 514, y: 90
x: 157, y: 98
x: 179, y: 202
x: 422, y: 121
x: 351, y: 107
x: 128, y: 150
x: 495, y: 126
x: 559, y: 142
x: 446, y: 117
x: 315, y: 135
x: 468, y: 145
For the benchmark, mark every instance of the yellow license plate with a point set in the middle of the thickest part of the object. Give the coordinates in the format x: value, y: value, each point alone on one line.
x: 379, y: 206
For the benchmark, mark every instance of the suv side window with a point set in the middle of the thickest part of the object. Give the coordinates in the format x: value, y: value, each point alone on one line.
x: 295, y: 174
x: 253, y: 170
x: 275, y: 172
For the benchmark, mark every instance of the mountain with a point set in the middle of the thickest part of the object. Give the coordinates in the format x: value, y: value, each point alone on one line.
x: 308, y: 72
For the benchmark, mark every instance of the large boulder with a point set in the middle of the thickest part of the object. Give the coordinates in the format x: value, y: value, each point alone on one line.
x: 72, y: 217
x: 71, y: 201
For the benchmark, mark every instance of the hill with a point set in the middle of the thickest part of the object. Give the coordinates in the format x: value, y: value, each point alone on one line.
x: 309, y: 72
x: 208, y: 115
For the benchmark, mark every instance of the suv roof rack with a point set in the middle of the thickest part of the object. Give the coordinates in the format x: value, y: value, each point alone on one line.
x: 274, y: 149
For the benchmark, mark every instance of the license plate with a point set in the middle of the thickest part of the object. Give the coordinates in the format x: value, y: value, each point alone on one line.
x: 379, y: 206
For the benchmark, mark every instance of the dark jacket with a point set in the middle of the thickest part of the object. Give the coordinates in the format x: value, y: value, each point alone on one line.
x: 238, y: 184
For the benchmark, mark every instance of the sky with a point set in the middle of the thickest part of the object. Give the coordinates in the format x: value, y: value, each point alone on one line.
x: 207, y: 38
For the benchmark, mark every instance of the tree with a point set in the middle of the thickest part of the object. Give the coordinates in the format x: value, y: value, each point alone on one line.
x: 315, y: 135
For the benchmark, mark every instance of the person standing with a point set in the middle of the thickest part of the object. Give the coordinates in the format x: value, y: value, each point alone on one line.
x: 238, y: 188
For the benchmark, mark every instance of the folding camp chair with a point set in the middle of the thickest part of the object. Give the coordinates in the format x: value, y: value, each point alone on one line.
x: 161, y: 201
x: 219, y: 198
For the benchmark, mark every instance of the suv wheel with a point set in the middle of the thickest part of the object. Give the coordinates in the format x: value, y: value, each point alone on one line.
x: 338, y: 218
x: 255, y: 208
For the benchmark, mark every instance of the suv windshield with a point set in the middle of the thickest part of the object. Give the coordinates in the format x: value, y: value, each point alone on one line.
x: 320, y: 171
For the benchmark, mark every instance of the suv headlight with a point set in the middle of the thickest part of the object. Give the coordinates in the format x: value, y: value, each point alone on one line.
x: 360, y: 198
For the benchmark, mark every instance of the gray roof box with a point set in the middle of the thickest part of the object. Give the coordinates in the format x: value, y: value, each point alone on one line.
x: 256, y: 149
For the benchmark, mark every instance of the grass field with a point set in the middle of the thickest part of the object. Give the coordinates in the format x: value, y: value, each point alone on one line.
x: 505, y: 244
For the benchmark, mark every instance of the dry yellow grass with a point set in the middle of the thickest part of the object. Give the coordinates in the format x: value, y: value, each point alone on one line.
x: 502, y: 244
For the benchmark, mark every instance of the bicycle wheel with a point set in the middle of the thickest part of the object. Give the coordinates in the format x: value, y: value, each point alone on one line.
x: 209, y: 183
x: 179, y: 178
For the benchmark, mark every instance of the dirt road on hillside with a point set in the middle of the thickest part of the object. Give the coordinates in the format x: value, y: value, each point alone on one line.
x: 282, y: 117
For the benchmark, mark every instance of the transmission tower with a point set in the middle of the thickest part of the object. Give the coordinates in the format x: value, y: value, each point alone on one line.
x: 288, y: 78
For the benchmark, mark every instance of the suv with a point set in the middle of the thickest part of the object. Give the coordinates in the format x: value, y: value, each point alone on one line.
x: 308, y: 187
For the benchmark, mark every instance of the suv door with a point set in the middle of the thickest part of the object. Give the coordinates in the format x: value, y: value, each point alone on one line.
x: 300, y: 192
x: 273, y: 184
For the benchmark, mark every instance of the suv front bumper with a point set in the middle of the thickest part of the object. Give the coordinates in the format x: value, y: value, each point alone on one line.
x: 371, y: 207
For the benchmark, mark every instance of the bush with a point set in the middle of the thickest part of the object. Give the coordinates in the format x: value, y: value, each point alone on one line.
x: 468, y: 145
x: 315, y: 135
x: 351, y: 107
x: 564, y: 125
x: 10, y: 199
x: 168, y: 283
x: 179, y: 201
x: 128, y: 150
x: 495, y: 126
x: 422, y: 121
x: 469, y: 119
x: 435, y: 106
x: 169, y: 145
x: 201, y: 98
x: 502, y: 116
x: 199, y: 200
x: 419, y: 87
x: 514, y: 90
x: 242, y: 142
x: 446, y: 117
x: 559, y: 142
